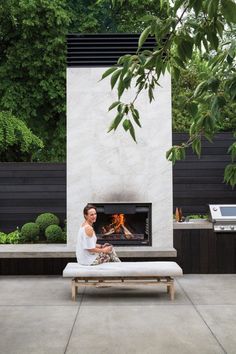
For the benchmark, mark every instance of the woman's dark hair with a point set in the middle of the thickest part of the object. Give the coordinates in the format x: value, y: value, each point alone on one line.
x: 88, y: 207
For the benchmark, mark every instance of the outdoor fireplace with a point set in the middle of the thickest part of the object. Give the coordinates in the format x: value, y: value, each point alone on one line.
x: 118, y: 171
x: 124, y: 223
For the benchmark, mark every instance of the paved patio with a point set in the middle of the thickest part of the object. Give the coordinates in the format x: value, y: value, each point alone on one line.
x: 38, y: 316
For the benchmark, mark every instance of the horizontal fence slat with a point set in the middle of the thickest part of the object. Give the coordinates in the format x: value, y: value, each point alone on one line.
x: 202, y: 201
x: 33, y: 173
x: 27, y: 166
x: 199, y: 173
x: 199, y: 165
x: 35, y: 188
x: 210, y: 151
x: 31, y: 181
x: 201, y: 187
x: 198, y: 180
x: 24, y: 209
x: 33, y: 202
x: 206, y: 193
x: 33, y: 195
x: 27, y: 217
x: 219, y: 136
x: 206, y: 157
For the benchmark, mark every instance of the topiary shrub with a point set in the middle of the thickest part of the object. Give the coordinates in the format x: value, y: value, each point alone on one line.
x: 14, y: 237
x: 30, y: 232
x: 54, y: 234
x: 45, y: 220
x: 3, y: 238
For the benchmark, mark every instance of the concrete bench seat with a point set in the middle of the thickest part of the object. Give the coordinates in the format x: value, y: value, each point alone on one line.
x: 140, y: 272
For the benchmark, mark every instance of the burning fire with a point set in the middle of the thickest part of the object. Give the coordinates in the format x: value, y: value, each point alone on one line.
x: 117, y: 226
x: 118, y: 220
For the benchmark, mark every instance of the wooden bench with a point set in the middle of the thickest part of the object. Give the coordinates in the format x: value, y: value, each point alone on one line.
x: 124, y: 272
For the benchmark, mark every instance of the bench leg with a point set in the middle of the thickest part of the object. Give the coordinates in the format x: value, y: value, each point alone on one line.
x: 170, y: 287
x: 73, y: 289
x: 172, y: 290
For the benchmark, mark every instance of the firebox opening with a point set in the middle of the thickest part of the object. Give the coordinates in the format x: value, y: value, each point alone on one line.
x: 124, y: 224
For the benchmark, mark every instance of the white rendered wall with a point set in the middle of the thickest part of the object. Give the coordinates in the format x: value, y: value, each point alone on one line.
x: 104, y: 167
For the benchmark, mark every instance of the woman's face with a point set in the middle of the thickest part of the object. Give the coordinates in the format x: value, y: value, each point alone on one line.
x: 91, y: 217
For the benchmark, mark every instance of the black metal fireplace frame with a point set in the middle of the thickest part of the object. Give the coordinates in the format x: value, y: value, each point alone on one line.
x: 124, y: 208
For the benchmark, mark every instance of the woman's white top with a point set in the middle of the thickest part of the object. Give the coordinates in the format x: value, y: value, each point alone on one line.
x: 84, y: 243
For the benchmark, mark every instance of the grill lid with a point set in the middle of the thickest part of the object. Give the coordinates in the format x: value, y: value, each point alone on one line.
x: 223, y: 217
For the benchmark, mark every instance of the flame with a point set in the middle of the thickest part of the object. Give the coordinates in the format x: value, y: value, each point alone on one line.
x: 118, y: 220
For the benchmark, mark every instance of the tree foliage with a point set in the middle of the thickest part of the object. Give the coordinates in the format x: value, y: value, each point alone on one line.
x: 182, y: 90
x: 33, y: 67
x: 16, y: 140
x: 190, y: 26
x: 101, y: 16
x: 33, y: 59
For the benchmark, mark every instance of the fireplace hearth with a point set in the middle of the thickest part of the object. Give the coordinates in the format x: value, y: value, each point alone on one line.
x: 124, y: 224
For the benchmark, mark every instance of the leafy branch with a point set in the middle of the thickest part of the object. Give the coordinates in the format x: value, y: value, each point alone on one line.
x: 188, y: 27
x: 15, y: 135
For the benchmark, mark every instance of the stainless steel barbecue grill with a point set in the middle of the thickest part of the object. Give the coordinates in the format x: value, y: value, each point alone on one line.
x: 223, y: 217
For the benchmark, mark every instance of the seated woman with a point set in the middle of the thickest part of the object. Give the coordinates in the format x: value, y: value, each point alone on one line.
x: 88, y: 252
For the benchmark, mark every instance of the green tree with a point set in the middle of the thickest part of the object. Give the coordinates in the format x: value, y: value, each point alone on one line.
x: 33, y: 59
x: 33, y: 67
x: 17, y: 142
x: 101, y: 16
x: 189, y: 26
x: 182, y: 90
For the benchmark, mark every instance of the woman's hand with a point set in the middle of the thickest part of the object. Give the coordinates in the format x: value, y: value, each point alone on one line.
x: 105, y: 245
x: 107, y: 249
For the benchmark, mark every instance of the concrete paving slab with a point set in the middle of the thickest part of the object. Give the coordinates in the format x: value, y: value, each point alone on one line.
x: 160, y: 329
x: 221, y: 320
x: 36, y: 290
x: 37, y: 316
x: 127, y: 295
x: 35, y: 329
x: 214, y: 289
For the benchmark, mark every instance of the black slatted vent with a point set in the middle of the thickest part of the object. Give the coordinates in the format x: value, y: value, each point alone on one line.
x: 88, y: 50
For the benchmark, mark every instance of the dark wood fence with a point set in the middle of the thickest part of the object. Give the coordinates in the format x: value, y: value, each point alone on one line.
x: 29, y: 189
x: 205, y: 251
x: 199, y: 182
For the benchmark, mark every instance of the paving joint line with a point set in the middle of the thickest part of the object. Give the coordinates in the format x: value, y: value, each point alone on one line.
x: 77, y: 314
x: 202, y: 318
x: 33, y: 305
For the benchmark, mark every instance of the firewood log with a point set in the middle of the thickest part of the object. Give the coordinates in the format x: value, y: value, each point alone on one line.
x: 127, y: 233
x: 111, y: 231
